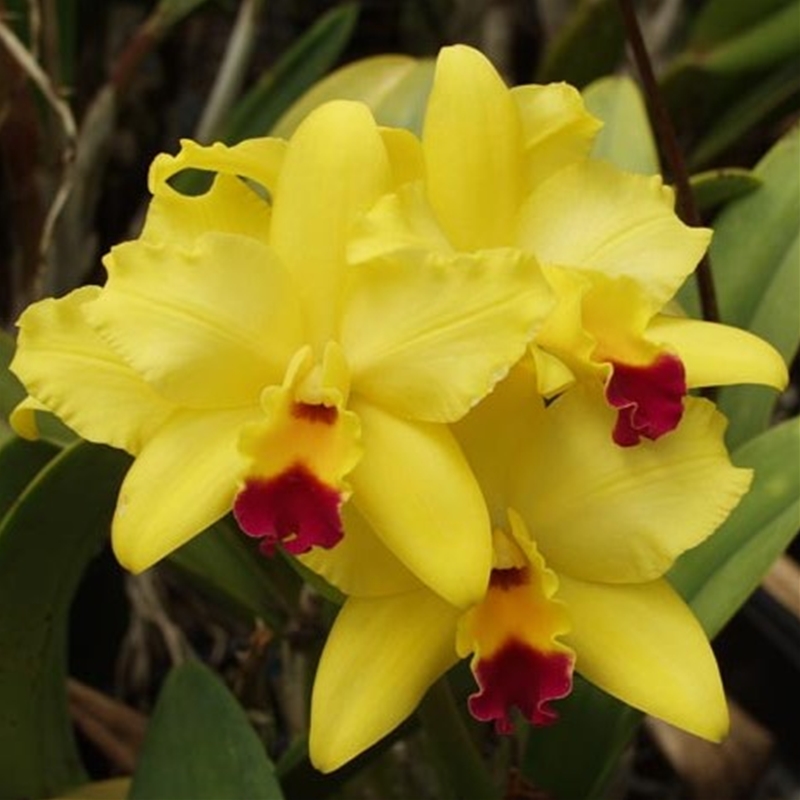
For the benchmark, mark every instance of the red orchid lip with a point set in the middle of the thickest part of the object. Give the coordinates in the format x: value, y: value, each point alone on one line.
x: 649, y: 398
x: 518, y: 661
x: 293, y: 509
x: 518, y: 675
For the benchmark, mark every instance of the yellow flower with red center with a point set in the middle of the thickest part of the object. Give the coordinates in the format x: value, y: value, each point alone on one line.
x: 584, y: 533
x: 243, y: 360
x: 510, y: 168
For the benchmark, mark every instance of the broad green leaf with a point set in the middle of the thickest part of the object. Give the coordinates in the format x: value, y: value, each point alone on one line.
x: 11, y: 390
x: 200, y: 745
x: 718, y: 576
x: 752, y: 105
x: 20, y: 461
x: 110, y: 789
x: 307, y: 61
x: 395, y: 87
x: 576, y: 757
x: 453, y: 752
x: 589, y: 45
x: 228, y: 566
x: 716, y: 187
x: 46, y: 539
x: 756, y: 256
x: 719, y: 20
x: 768, y: 41
x: 170, y: 12
x: 626, y: 138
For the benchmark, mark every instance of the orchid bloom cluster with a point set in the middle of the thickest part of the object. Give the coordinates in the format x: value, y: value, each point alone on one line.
x: 445, y: 374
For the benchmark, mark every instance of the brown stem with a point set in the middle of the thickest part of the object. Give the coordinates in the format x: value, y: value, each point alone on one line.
x: 671, y: 152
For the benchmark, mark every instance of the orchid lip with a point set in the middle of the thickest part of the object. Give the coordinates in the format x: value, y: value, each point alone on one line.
x: 293, y: 509
x: 648, y: 399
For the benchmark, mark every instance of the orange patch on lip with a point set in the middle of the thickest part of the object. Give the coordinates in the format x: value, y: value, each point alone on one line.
x: 649, y: 399
x: 293, y: 509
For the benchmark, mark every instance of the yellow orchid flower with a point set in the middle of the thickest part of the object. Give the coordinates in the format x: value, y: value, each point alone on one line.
x: 510, y: 168
x: 584, y: 534
x: 247, y: 365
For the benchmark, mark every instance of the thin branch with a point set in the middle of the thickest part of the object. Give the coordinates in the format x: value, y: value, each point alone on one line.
x: 231, y: 73
x: 672, y: 153
x: 63, y: 113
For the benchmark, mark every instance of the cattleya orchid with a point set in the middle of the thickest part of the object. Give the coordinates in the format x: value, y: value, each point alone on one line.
x: 584, y: 532
x: 243, y: 361
x: 511, y: 168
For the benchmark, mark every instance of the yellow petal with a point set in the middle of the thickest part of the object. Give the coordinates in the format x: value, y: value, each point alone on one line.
x: 643, y: 645
x: 398, y: 222
x: 428, y: 339
x: 557, y: 130
x: 336, y: 167
x: 473, y: 150
x: 492, y: 433
x: 553, y: 376
x: 593, y: 216
x: 209, y: 326
x: 69, y: 370
x: 414, y: 487
x: 229, y: 206
x: 380, y: 658
x: 610, y: 514
x: 719, y: 355
x: 258, y: 160
x: 405, y: 155
x: 614, y: 313
x: 184, y: 480
x: 360, y: 565
x: 23, y: 418
x: 563, y: 335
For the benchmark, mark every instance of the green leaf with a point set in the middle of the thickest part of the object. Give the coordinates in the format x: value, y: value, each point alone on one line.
x: 67, y: 38
x: 395, y: 87
x: 46, y: 539
x: 756, y: 257
x: 309, y: 59
x: 110, y: 789
x: 228, y: 566
x: 589, y: 45
x: 170, y: 12
x: 201, y: 746
x: 716, y: 187
x: 772, y: 39
x: 11, y: 390
x: 577, y: 756
x: 719, y: 20
x: 752, y: 106
x: 626, y: 138
x: 20, y: 461
x: 718, y: 576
